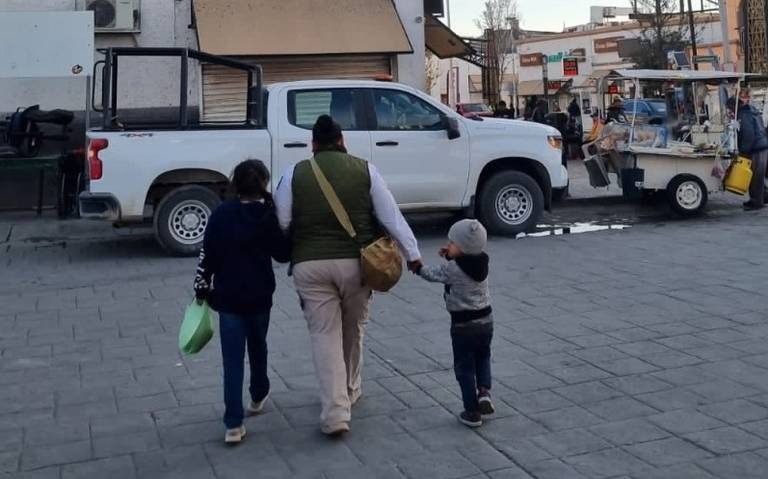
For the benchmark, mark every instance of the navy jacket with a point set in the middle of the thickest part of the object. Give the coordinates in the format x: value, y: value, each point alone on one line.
x: 235, y: 270
x: 752, y: 134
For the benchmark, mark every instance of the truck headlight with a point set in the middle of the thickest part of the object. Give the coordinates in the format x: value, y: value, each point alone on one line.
x: 555, y: 142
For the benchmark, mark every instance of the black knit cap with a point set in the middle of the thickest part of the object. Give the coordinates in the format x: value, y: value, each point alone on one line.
x: 326, y: 131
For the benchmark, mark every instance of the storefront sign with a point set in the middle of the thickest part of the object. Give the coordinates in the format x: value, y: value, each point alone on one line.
x: 580, y: 54
x: 570, y: 67
x: 531, y: 60
x: 554, y: 85
x: 607, y: 45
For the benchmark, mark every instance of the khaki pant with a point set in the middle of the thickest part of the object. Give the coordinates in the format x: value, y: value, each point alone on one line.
x: 335, y: 305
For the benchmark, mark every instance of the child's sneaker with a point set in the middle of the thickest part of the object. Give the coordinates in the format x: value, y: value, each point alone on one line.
x: 235, y: 436
x: 471, y: 419
x: 485, y: 403
x: 256, y: 407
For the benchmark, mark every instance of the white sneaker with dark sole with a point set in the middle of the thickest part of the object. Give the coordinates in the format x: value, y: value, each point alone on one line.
x: 486, y: 405
x: 235, y: 436
x: 255, y: 408
x: 471, y: 419
x: 335, y: 429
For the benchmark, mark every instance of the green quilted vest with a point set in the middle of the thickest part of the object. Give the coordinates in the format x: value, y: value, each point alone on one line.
x: 317, y: 234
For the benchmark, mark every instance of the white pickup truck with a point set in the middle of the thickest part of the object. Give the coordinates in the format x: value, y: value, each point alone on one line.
x: 504, y: 172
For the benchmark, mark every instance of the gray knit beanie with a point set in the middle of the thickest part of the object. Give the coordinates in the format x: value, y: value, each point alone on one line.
x: 469, y: 235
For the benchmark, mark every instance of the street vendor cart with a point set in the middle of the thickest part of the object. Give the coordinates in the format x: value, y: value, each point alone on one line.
x: 686, y: 155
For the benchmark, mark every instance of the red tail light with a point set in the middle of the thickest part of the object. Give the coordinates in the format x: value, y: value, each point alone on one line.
x: 94, y: 162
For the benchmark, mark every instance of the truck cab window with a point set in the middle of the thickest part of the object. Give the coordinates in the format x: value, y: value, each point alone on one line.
x: 397, y: 110
x: 304, y: 106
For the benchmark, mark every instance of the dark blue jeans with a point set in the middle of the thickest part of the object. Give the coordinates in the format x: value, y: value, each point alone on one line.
x: 472, y: 364
x: 237, y: 332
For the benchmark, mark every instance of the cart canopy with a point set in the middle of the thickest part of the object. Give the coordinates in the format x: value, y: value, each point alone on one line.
x: 677, y: 75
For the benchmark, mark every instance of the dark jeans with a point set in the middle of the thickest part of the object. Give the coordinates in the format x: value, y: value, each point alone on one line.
x: 472, y: 364
x: 237, y: 331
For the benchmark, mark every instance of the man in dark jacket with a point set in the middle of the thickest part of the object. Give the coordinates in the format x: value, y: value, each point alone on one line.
x: 753, y: 143
x: 574, y: 110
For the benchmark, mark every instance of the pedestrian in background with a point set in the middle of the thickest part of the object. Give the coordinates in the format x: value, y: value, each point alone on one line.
x: 753, y: 143
x: 235, y: 276
x: 468, y: 300
x: 326, y: 261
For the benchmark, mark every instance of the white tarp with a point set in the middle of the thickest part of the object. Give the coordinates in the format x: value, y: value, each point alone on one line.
x: 46, y: 44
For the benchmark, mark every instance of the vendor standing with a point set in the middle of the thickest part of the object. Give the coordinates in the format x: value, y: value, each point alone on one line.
x: 753, y: 143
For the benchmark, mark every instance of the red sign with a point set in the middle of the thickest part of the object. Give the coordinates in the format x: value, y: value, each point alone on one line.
x: 554, y: 85
x: 570, y: 67
x: 613, y: 88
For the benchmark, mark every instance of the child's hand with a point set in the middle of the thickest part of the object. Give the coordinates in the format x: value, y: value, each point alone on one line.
x: 443, y: 252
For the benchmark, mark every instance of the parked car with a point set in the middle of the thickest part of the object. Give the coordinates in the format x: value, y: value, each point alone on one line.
x: 469, y: 110
x: 173, y: 176
x: 650, y: 111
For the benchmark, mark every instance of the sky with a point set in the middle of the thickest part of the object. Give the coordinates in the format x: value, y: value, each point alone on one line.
x: 536, y: 14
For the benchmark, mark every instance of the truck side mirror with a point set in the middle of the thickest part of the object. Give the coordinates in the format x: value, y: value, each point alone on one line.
x: 452, y: 126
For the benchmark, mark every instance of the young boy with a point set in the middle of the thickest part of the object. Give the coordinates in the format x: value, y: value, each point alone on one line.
x: 467, y: 299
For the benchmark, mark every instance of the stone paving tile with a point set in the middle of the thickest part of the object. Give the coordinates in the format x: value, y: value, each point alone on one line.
x: 736, y: 411
x: 571, y: 442
x: 587, y: 392
x: 744, y: 466
x: 631, y: 431
x: 555, y: 469
x: 666, y: 452
x: 672, y: 399
x: 567, y: 418
x: 448, y: 465
x: 637, y: 384
x: 606, y: 463
x: 679, y: 471
x: 118, y: 467
x: 726, y: 440
x: 620, y: 408
x: 684, y: 421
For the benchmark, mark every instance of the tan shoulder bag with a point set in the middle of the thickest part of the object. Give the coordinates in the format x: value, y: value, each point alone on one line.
x: 381, y: 262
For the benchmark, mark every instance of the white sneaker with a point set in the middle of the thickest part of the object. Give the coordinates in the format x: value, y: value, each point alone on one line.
x: 235, y: 436
x: 256, y: 407
x: 335, y: 429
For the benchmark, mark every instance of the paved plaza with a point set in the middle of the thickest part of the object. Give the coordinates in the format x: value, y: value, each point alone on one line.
x: 640, y: 353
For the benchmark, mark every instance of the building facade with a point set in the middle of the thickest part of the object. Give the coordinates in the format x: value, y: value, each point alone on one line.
x: 294, y: 40
x: 596, y: 51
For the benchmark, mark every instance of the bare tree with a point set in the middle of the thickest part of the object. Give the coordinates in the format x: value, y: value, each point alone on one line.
x: 432, y: 70
x: 664, y: 29
x: 498, y: 22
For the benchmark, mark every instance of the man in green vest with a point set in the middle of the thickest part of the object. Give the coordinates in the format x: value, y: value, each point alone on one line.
x: 326, y: 261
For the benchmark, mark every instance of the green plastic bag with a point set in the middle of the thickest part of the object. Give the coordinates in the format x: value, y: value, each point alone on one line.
x: 196, y: 329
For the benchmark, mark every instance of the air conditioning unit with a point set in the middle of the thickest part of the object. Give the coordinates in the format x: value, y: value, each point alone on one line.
x: 113, y: 16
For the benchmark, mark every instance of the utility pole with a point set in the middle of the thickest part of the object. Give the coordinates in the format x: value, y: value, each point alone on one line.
x: 726, y: 33
x: 545, y: 75
x: 692, y: 26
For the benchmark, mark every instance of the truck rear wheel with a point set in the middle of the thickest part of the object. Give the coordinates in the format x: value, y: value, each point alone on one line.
x: 510, y: 203
x: 181, y: 218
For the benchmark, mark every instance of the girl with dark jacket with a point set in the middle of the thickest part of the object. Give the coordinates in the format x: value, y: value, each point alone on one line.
x: 235, y: 276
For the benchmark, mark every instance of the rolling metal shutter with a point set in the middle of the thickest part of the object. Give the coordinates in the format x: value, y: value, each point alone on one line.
x: 224, y: 89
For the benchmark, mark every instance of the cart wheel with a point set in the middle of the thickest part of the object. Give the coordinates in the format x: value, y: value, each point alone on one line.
x: 687, y: 195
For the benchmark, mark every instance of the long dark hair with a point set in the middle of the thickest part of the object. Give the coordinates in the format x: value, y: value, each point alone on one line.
x: 250, y: 179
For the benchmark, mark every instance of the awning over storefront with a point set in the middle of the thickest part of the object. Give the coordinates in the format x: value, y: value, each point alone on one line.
x: 444, y: 42
x: 530, y: 88
x: 298, y: 27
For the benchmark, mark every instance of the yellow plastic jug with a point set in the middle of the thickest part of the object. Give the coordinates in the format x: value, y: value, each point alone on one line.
x: 739, y: 176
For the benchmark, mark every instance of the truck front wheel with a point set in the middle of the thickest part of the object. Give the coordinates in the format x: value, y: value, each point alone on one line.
x: 181, y: 218
x: 510, y: 203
